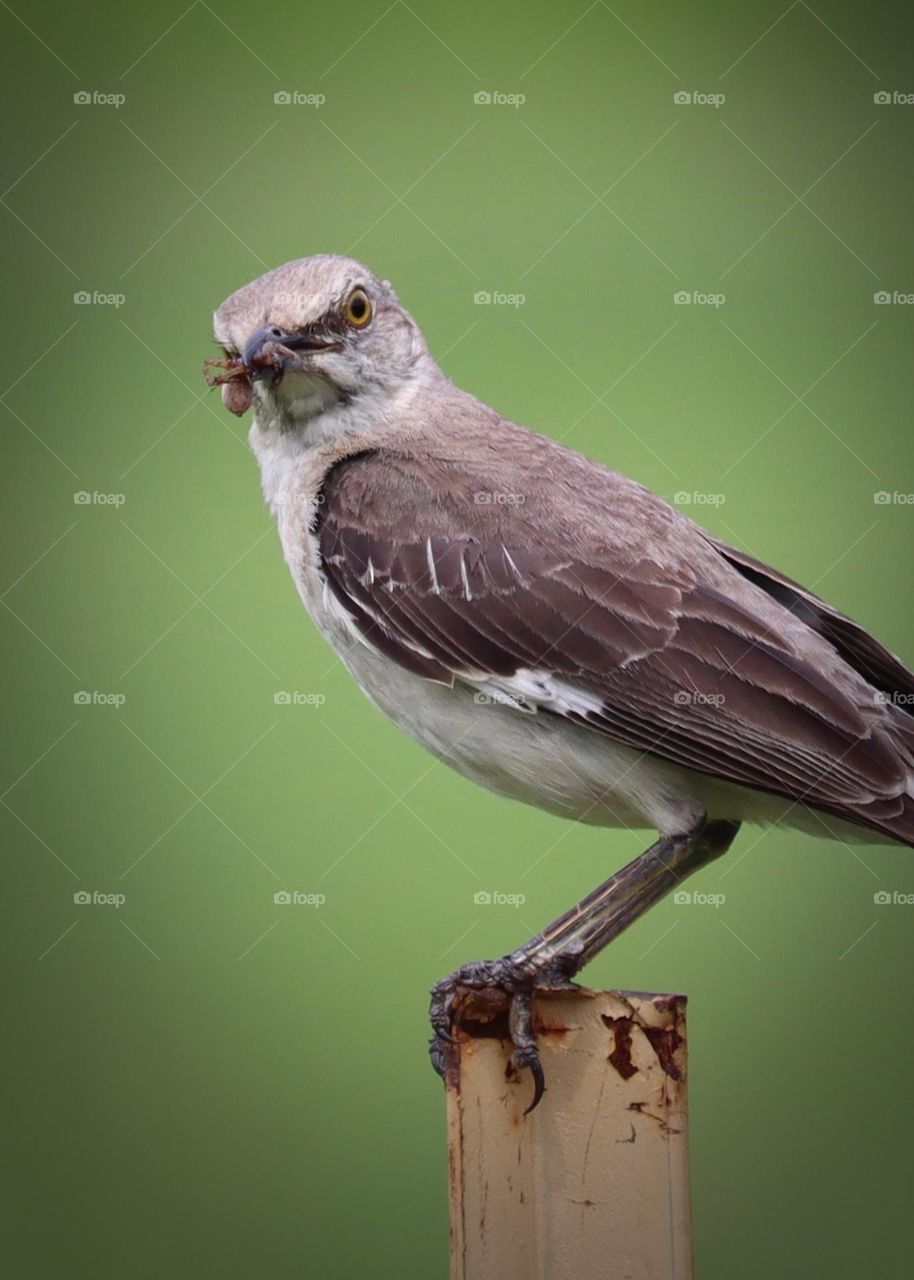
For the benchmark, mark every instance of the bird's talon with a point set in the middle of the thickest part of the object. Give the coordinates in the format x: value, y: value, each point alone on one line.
x: 497, y: 987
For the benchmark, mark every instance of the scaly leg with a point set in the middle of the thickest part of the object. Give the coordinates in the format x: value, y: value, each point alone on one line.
x: 552, y: 957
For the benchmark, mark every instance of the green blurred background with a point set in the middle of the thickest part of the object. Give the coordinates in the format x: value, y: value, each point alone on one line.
x: 201, y: 1081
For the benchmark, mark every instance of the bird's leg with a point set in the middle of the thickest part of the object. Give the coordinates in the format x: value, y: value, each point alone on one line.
x: 566, y: 945
x: 553, y: 956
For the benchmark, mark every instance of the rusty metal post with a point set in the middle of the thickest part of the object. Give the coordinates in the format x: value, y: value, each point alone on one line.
x: 595, y: 1182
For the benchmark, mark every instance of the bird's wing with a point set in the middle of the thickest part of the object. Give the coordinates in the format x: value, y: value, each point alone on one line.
x: 666, y: 645
x: 854, y: 643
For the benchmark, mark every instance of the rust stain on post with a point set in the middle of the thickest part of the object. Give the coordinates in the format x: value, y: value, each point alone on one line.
x: 595, y: 1181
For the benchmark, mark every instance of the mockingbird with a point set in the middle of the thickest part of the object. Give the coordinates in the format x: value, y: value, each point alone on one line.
x: 546, y: 626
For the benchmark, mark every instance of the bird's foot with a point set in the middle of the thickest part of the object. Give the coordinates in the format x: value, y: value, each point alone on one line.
x: 492, y: 998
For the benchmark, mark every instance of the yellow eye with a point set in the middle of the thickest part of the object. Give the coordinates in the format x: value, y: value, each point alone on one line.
x: 358, y: 308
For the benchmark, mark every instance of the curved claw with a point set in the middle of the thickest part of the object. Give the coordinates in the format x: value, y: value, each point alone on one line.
x: 539, y: 1083
x: 528, y: 1056
x: 526, y: 1053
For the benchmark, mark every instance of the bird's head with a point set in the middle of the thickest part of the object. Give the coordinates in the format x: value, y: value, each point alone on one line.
x: 314, y: 333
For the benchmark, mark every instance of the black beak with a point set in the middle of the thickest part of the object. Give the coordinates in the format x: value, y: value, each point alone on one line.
x: 258, y: 360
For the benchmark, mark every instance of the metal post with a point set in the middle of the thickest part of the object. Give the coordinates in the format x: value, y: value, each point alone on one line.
x: 594, y: 1183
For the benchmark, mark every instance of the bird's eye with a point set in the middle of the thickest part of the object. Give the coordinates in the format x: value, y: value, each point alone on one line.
x: 358, y: 308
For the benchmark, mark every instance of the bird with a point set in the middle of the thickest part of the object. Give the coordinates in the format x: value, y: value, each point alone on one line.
x: 545, y: 626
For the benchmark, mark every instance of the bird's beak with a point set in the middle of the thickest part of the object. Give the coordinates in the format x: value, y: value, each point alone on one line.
x: 269, y: 348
